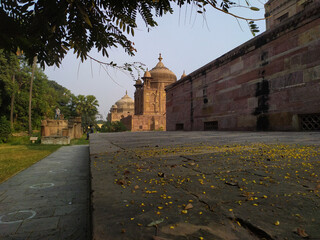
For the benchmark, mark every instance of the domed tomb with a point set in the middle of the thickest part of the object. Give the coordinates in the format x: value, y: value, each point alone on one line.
x: 150, y: 98
x: 121, y: 109
x: 126, y: 103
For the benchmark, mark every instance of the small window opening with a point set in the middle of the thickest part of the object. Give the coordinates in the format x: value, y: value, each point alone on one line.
x: 310, y: 122
x: 211, y: 126
x: 179, y: 127
x: 204, y: 95
x: 264, y: 56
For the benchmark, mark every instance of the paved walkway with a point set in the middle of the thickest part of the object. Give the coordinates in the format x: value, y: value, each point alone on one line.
x: 143, y: 183
x: 49, y: 200
x: 205, y: 185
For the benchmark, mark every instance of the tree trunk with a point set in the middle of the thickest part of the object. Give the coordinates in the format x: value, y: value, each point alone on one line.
x: 30, y: 93
x: 12, y: 102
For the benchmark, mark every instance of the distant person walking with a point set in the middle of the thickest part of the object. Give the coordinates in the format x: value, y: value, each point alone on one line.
x: 90, y: 130
x: 58, y: 112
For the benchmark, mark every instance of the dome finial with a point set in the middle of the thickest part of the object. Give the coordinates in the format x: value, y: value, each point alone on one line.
x: 160, y: 58
x: 126, y: 92
x: 184, y: 74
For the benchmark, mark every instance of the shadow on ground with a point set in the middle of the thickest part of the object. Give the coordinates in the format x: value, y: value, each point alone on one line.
x: 195, y: 185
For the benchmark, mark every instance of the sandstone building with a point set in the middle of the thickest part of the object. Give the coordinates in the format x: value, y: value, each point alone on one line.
x: 121, y: 109
x: 148, y: 110
x: 150, y: 99
x: 55, y: 131
x: 271, y: 82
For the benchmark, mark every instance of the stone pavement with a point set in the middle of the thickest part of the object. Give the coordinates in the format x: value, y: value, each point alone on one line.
x: 205, y: 185
x: 49, y: 200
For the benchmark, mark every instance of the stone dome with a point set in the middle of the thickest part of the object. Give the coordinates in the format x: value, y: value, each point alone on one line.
x: 138, y: 81
x: 160, y: 73
x: 147, y: 74
x: 126, y: 103
x: 121, y: 109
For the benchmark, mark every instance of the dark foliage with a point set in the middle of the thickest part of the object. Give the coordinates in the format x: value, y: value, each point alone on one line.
x: 113, y: 127
x: 5, y: 129
x: 49, y: 28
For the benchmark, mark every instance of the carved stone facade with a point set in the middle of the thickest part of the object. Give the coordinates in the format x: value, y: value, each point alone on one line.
x: 271, y: 82
x: 60, y: 131
x: 148, y: 110
x: 150, y: 100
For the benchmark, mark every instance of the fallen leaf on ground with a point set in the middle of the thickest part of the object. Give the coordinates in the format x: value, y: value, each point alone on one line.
x: 301, y: 232
x: 160, y: 174
x: 121, y: 182
x: 232, y: 183
x: 155, y: 222
x: 189, y: 206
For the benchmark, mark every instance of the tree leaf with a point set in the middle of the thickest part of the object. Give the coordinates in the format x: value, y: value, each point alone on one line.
x: 189, y: 206
x: 301, y: 232
x: 254, y: 9
x: 155, y: 222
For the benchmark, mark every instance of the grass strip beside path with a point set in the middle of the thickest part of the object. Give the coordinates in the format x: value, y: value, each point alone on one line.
x: 15, y: 158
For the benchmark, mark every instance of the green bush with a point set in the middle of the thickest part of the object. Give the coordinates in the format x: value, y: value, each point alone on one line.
x: 119, y: 127
x: 113, y: 127
x: 19, y: 127
x: 5, y: 129
x: 104, y: 128
x: 22, y: 140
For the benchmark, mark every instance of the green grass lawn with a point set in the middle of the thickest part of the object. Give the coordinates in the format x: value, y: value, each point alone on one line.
x: 80, y: 141
x: 15, y: 158
x: 20, y: 154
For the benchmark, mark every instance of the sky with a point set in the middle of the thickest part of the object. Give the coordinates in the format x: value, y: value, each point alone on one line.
x: 185, y: 39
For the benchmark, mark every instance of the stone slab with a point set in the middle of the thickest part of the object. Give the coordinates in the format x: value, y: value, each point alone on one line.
x: 242, y: 185
x: 59, y: 140
x: 50, y: 199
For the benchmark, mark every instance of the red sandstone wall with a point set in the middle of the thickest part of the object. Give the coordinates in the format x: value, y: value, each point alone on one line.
x: 290, y: 64
x: 127, y: 122
x: 179, y: 107
x: 148, y: 123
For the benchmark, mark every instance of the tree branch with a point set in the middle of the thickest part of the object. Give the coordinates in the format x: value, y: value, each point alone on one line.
x: 234, y: 15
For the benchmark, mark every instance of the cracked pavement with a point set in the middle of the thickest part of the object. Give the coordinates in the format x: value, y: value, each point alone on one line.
x: 205, y: 185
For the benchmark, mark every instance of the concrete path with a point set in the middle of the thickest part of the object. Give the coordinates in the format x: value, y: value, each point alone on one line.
x: 205, y: 185
x: 49, y: 200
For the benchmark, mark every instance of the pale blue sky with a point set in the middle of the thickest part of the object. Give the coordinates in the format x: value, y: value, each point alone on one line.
x: 186, y: 43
